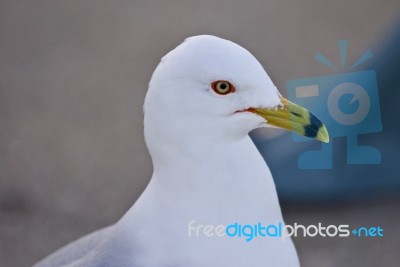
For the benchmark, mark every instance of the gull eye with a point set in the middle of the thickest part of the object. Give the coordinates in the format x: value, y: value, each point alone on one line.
x: 223, y: 87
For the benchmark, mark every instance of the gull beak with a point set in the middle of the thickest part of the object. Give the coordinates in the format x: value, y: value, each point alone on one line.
x: 294, y: 118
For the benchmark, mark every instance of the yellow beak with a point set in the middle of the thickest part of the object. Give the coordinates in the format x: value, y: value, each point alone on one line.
x: 294, y: 118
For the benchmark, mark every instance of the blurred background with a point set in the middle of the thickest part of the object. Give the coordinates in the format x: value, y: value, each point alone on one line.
x: 73, y: 76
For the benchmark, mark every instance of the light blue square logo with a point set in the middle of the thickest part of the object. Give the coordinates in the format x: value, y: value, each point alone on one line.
x: 347, y: 103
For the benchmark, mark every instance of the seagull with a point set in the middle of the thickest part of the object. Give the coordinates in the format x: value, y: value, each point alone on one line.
x: 203, y: 99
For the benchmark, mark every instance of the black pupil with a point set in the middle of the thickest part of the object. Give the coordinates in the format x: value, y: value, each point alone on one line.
x: 223, y: 86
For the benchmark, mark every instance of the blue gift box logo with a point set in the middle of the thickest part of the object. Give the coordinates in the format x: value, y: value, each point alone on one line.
x: 347, y: 103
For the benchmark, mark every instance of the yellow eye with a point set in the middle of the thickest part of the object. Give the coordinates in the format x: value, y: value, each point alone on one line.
x: 223, y: 87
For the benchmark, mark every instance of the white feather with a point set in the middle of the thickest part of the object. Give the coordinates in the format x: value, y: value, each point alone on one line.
x: 206, y: 168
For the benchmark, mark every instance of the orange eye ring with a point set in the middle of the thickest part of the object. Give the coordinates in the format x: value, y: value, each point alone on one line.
x: 223, y: 87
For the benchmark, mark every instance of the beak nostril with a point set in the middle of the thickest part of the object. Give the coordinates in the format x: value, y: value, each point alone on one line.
x: 295, y: 114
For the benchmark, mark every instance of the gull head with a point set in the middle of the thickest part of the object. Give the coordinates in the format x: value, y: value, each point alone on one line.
x: 211, y: 89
